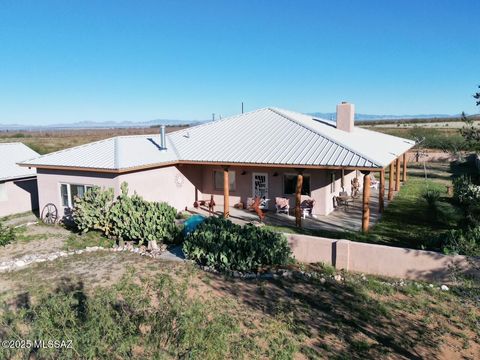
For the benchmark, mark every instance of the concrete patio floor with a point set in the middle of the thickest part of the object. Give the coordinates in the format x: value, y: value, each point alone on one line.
x: 339, y: 220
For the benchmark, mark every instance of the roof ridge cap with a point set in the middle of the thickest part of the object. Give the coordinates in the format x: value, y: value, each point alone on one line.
x: 279, y: 112
x: 208, y: 123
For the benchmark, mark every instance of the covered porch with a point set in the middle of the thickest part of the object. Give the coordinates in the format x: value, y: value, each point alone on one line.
x: 362, y: 211
x: 340, y: 219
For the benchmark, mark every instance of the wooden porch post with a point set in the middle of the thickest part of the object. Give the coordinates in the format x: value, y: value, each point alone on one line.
x: 390, y: 182
x: 404, y: 177
x: 343, y: 179
x: 381, y: 194
x: 226, y: 193
x: 298, y: 199
x: 366, y: 202
x: 397, y: 174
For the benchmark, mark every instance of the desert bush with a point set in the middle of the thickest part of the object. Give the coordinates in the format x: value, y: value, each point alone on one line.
x: 133, y: 218
x: 137, y: 318
x: 467, y: 195
x: 224, y: 245
x: 92, y: 211
x: 7, y: 234
x: 463, y: 242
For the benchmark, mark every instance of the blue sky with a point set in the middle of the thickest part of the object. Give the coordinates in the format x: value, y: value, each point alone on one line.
x: 68, y: 61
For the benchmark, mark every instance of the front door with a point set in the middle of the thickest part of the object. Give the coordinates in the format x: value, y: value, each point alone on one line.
x: 260, y: 185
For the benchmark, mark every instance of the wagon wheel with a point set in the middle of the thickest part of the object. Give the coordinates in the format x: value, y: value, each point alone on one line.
x: 49, y: 214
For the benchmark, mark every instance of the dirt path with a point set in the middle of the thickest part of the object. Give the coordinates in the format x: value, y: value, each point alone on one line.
x: 35, y: 239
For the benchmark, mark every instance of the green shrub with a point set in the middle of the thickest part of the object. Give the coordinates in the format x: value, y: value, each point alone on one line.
x: 156, y: 316
x: 92, y: 211
x: 126, y: 217
x: 7, y: 234
x: 226, y: 246
x: 132, y: 218
x: 463, y: 242
x: 431, y: 196
x: 467, y: 195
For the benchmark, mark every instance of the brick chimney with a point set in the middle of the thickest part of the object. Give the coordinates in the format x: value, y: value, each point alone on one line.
x: 345, y: 116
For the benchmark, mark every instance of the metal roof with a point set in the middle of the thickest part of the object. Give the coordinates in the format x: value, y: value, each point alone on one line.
x: 276, y: 136
x: 120, y: 152
x: 266, y: 136
x: 10, y: 155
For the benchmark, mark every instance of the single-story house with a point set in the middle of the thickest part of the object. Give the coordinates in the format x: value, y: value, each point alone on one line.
x: 18, y: 185
x: 265, y: 153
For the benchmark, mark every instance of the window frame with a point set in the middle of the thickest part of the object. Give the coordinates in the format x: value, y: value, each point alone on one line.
x: 69, y: 192
x: 3, y: 192
x: 308, y: 193
x: 231, y: 187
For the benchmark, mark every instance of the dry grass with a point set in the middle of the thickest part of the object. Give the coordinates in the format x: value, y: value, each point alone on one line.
x: 48, y: 141
x: 354, y: 318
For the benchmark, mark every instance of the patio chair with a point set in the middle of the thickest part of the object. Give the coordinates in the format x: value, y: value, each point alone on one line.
x: 307, y: 207
x: 355, y: 187
x: 282, y: 205
x: 256, y: 207
x: 343, y: 200
x: 263, y: 203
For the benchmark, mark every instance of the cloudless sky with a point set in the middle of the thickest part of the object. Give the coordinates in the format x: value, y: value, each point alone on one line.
x: 67, y: 61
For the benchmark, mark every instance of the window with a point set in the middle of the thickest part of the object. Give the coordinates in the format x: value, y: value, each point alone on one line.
x: 290, y: 184
x: 218, y: 180
x: 332, y: 182
x: 68, y: 192
x: 3, y: 192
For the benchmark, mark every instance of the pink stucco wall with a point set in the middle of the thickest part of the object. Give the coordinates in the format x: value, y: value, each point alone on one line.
x: 21, y: 196
x: 181, y: 185
x: 177, y: 185
x: 49, y: 185
x: 378, y: 259
x: 320, y: 186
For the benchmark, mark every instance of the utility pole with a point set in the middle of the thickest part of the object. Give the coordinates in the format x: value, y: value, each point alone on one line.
x: 242, y: 107
x: 213, y: 117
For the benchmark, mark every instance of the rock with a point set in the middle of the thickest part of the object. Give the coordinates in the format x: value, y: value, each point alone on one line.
x: 444, y: 288
x: 4, y: 268
x: 267, y: 276
x: 430, y: 285
x: 338, y: 278
x: 323, y: 280
x: 20, y: 263
x: 52, y: 257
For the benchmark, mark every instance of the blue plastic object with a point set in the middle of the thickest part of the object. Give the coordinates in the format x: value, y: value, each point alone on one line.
x: 192, y: 222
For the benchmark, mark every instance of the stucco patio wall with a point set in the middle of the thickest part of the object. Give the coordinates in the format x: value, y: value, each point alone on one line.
x: 378, y: 259
x: 21, y: 196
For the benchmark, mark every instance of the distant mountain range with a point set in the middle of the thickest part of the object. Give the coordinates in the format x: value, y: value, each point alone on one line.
x: 157, y: 122
x: 367, y: 117
x: 99, y: 125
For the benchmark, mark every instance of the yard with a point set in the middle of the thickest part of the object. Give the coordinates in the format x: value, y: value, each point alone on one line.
x: 408, y: 221
x: 136, y: 307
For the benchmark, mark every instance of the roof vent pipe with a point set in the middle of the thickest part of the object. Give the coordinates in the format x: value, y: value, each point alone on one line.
x: 163, y: 140
x: 345, y: 116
